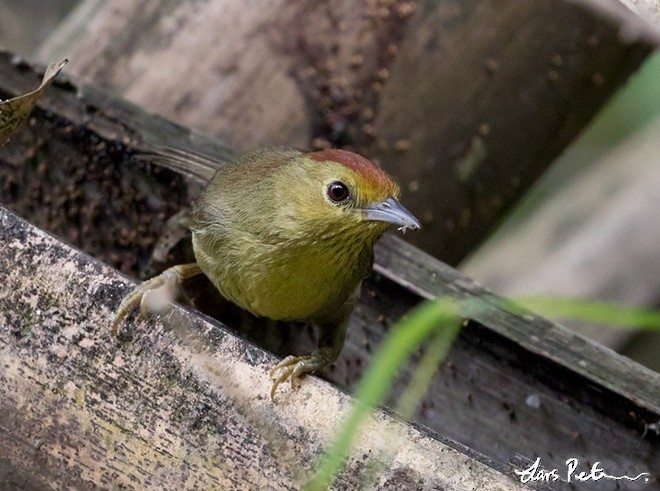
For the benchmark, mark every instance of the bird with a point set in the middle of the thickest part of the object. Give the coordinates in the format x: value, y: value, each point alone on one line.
x: 288, y: 235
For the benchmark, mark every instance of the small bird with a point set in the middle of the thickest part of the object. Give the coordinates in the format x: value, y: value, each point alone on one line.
x: 288, y: 235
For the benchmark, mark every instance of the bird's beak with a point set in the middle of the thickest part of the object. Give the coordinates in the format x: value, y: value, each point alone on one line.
x: 391, y: 211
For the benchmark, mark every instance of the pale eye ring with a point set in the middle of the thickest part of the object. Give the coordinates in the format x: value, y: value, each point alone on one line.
x: 338, y: 192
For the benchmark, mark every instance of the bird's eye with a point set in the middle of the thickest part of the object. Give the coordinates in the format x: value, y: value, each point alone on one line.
x: 338, y: 192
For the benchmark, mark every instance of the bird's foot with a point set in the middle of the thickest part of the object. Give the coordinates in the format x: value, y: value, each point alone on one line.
x: 293, y: 368
x: 155, y: 294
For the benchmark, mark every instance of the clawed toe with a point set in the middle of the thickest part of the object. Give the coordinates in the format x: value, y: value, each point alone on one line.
x: 292, y: 368
x: 155, y: 294
x: 136, y: 296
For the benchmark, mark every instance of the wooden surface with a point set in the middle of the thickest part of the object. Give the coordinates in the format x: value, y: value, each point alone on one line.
x: 465, y: 103
x: 594, y: 404
x: 182, y: 405
x: 23, y: 32
x: 597, y: 237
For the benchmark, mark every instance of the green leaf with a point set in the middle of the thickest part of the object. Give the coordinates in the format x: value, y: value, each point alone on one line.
x: 610, y: 314
x: 439, y: 317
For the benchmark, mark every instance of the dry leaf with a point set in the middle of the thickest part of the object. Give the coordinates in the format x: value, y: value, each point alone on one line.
x: 14, y: 112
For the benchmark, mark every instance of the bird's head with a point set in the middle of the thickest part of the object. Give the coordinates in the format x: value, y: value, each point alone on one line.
x: 337, y: 192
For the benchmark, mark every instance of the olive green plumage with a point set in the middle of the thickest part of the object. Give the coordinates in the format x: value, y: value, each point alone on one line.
x: 272, y: 242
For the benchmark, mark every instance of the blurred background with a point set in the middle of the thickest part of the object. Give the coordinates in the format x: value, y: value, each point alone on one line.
x: 525, y: 135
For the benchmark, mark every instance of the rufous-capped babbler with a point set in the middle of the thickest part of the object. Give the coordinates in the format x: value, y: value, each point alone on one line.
x: 289, y: 235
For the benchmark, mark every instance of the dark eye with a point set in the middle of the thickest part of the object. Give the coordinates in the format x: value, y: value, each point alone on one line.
x: 338, y: 192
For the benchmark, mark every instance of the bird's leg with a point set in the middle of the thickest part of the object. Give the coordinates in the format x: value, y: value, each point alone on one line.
x: 294, y: 367
x: 174, y: 231
x: 171, y: 278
